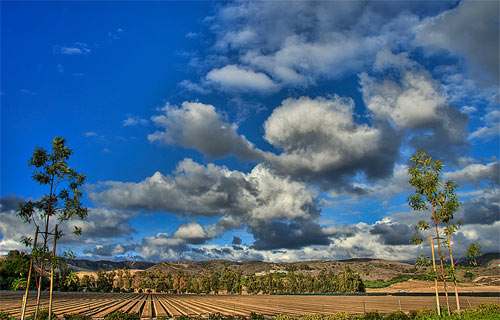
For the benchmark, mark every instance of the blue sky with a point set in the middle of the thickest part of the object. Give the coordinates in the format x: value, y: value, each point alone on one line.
x: 277, y: 131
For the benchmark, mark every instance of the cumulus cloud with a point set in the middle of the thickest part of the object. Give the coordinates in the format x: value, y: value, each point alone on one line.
x: 77, y: 48
x: 211, y: 190
x: 198, y: 126
x: 470, y: 30
x: 233, y: 77
x: 415, y: 101
x: 310, y: 40
x: 276, y: 235
x: 392, y: 233
x: 254, y: 199
x: 100, y: 226
x: 475, y: 173
x: 385, y: 188
x: 484, y: 209
x: 194, y: 233
x: 322, y: 143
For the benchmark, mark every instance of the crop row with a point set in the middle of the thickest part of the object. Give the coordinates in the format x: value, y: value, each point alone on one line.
x: 98, y: 305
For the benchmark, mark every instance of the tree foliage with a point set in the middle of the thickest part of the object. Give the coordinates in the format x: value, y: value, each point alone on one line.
x: 62, y: 201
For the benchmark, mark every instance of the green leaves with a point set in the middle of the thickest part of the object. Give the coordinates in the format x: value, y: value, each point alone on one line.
x: 472, y: 253
x: 423, y: 261
x: 62, y: 182
x: 430, y: 192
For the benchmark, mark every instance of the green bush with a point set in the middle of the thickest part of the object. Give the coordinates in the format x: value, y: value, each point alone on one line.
x: 313, y: 316
x: 76, y: 316
x: 5, y: 316
x: 255, y: 316
x: 339, y: 316
x: 120, y: 315
x: 43, y: 314
x: 372, y: 315
x: 398, y: 315
x: 283, y: 317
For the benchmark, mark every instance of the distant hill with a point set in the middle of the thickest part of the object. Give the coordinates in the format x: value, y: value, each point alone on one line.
x: 88, y: 265
x: 368, y: 269
x: 486, y: 260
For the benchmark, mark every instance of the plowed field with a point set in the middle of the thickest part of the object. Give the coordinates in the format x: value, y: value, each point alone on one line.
x: 98, y: 305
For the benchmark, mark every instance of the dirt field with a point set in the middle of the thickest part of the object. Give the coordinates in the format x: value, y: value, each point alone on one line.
x: 412, y: 286
x: 98, y: 305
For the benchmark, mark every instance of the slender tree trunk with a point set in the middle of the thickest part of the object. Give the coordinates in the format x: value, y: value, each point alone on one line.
x: 49, y: 211
x: 52, y: 274
x: 438, y: 307
x: 441, y: 260
x: 454, y: 275
x: 42, y: 267
x: 25, y: 300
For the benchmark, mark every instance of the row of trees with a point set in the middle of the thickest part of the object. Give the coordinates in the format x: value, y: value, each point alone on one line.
x: 230, y: 281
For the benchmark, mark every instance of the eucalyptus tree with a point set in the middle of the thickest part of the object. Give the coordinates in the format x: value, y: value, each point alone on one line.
x: 61, y: 203
x: 437, y: 197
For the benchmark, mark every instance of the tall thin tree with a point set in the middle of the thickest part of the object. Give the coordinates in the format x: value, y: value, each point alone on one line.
x: 434, y: 196
x: 63, y: 200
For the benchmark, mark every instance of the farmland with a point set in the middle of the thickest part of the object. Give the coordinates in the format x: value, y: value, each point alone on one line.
x: 98, y: 305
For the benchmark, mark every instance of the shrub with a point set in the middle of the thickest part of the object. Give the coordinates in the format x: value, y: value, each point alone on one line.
x: 312, y: 316
x: 120, y: 315
x: 398, y: 315
x: 339, y: 316
x: 283, y: 317
x: 5, y: 316
x: 43, y: 314
x: 412, y: 314
x: 372, y: 315
x: 255, y: 316
x: 76, y: 316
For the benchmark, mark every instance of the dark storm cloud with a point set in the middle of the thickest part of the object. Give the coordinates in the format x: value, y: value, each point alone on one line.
x: 392, y: 233
x: 10, y: 202
x: 277, y: 235
x: 470, y: 30
x: 236, y: 240
x: 484, y: 209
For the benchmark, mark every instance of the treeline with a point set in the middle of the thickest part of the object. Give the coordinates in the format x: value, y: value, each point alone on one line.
x: 224, y: 281
x: 13, y: 271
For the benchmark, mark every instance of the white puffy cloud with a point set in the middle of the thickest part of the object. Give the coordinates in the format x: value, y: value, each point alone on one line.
x: 198, y: 126
x: 233, y: 77
x: 321, y: 141
x: 194, y: 233
x: 310, y: 40
x: 415, y: 101
x: 254, y: 199
x: 475, y: 173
